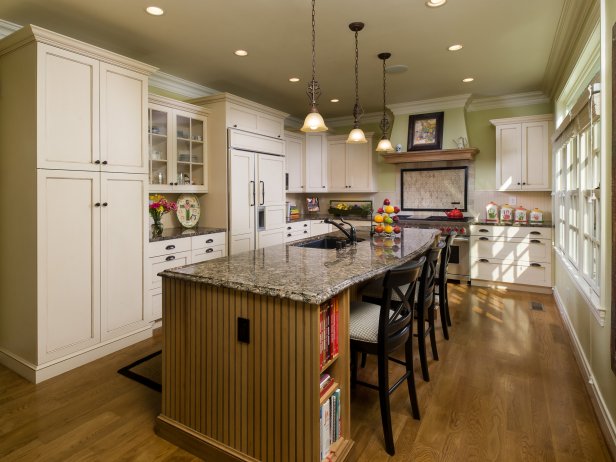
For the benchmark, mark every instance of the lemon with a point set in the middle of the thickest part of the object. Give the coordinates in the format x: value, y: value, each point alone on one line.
x: 378, y: 218
x: 389, y: 209
x: 388, y: 229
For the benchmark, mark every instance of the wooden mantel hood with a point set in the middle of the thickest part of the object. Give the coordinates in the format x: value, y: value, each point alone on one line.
x: 430, y: 156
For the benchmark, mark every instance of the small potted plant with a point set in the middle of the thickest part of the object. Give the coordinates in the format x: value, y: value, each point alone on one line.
x: 158, y: 207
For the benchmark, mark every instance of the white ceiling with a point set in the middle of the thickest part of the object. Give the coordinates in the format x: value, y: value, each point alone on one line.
x: 507, y: 44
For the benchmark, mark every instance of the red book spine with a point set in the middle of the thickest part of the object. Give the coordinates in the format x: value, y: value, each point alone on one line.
x: 336, y: 325
x: 328, y: 330
x: 321, y: 362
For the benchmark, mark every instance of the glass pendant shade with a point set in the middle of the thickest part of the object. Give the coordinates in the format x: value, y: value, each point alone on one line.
x: 356, y: 136
x: 314, y: 122
x: 384, y: 145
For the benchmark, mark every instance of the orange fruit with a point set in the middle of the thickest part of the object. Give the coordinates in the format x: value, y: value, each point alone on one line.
x: 388, y: 229
x: 378, y: 218
x: 389, y: 209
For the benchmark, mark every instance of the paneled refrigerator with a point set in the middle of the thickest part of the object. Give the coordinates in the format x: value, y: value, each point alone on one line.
x: 256, y: 191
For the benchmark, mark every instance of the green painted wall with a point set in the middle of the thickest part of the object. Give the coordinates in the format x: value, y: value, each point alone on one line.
x: 482, y: 135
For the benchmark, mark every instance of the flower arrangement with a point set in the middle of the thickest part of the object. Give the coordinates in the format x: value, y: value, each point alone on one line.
x: 158, y: 207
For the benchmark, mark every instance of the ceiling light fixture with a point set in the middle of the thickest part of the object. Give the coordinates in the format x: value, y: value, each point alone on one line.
x: 154, y: 11
x: 435, y: 3
x: 357, y: 134
x: 313, y: 121
x: 240, y: 53
x: 468, y: 79
x: 294, y: 79
x: 456, y: 47
x: 335, y: 100
x: 384, y: 144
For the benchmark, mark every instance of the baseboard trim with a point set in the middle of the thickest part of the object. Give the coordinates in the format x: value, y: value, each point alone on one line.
x: 40, y: 373
x: 606, y: 423
x: 508, y: 286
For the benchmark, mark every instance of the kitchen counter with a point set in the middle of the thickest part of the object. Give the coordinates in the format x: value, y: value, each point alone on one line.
x: 305, y: 274
x: 174, y: 233
x: 545, y: 224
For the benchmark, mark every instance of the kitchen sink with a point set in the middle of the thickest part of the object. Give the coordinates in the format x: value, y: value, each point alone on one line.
x: 324, y: 243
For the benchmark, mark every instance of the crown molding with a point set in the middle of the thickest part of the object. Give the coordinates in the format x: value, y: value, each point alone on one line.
x: 429, y: 105
x: 515, y: 100
x: 575, y: 25
x: 7, y: 28
x: 179, y: 86
x: 346, y: 121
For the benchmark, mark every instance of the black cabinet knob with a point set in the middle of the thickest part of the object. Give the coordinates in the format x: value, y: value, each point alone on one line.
x: 104, y: 162
x: 105, y: 204
x: 170, y: 247
x: 97, y: 162
x: 210, y: 250
x: 209, y: 241
x: 98, y: 204
x: 170, y: 257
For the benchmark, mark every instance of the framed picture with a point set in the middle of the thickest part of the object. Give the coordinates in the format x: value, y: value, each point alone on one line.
x: 425, y: 131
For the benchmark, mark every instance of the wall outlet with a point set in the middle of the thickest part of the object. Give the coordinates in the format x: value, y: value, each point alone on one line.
x: 513, y: 200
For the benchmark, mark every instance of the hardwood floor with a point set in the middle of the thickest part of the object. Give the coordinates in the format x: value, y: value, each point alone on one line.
x: 506, y: 388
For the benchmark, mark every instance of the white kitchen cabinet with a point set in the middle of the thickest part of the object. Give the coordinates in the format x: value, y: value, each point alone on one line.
x: 511, y: 254
x: 91, y: 115
x: 177, y: 141
x: 316, y: 163
x: 318, y: 227
x: 297, y: 230
x: 523, y: 153
x: 349, y: 165
x: 294, y: 161
x: 73, y: 286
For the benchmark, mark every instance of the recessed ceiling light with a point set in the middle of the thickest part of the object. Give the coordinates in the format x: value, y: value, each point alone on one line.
x: 468, y: 79
x: 435, y: 3
x: 241, y: 52
x: 455, y: 47
x: 294, y: 79
x: 154, y: 10
x: 335, y: 100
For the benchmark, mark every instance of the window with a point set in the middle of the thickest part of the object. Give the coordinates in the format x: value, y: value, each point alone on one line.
x: 577, y: 192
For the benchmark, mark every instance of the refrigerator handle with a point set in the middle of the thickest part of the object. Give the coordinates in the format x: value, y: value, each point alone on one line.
x: 253, y: 194
x: 262, y: 192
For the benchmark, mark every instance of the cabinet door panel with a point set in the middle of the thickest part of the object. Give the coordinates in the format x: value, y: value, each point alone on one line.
x: 68, y: 262
x: 242, y: 193
x: 535, y: 157
x: 242, y: 243
x: 336, y: 160
x: 359, y: 166
x: 316, y: 163
x: 242, y: 118
x: 294, y: 160
x: 508, y: 153
x: 123, y: 119
x: 123, y: 241
x: 271, y: 180
x: 68, y: 115
x: 269, y: 238
x: 270, y: 125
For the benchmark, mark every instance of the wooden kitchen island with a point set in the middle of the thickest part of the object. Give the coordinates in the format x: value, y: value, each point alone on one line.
x: 225, y: 399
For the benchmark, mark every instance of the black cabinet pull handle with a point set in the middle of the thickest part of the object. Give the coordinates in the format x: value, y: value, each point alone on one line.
x: 484, y: 260
x: 523, y: 182
x: 234, y: 125
x: 210, y: 250
x: 482, y: 230
x: 104, y: 162
x: 105, y: 204
x: 518, y: 182
x: 536, y: 265
x: 209, y: 241
x: 288, y: 227
x: 484, y: 239
x: 535, y: 233
x: 170, y: 257
x: 97, y: 162
x: 305, y: 225
x: 170, y: 184
x: 535, y: 241
x: 254, y: 193
x: 170, y: 247
x: 305, y: 232
x: 98, y: 204
x: 289, y: 235
x: 262, y: 192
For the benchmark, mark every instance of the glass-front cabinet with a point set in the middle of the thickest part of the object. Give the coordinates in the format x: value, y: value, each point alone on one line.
x: 177, y: 146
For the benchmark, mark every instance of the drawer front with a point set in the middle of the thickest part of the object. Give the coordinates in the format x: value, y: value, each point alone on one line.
x: 512, y: 249
x: 494, y: 231
x: 208, y: 253
x: 208, y: 240
x: 535, y: 274
x: 164, y: 262
x: 318, y: 227
x: 296, y: 235
x: 532, y: 233
x: 156, y: 249
x: 297, y: 226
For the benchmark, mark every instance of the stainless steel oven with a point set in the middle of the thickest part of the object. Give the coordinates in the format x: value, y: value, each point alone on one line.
x: 459, y: 262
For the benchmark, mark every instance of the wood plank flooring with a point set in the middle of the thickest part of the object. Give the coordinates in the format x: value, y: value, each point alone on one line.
x: 506, y: 388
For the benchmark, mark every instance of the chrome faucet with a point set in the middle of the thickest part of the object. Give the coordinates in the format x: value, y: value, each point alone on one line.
x: 351, y: 234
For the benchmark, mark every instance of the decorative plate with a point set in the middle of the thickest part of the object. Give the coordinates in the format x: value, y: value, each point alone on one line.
x: 189, y: 210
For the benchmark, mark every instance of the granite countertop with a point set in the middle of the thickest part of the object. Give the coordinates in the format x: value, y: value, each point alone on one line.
x: 174, y: 233
x: 306, y: 274
x: 545, y: 224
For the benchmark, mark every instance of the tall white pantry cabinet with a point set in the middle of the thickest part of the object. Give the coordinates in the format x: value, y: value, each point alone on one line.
x: 73, y: 177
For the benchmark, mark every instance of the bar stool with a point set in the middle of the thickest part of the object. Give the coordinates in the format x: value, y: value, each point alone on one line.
x: 383, y: 328
x: 441, y: 285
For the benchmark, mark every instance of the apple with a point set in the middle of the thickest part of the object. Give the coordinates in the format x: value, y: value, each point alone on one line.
x: 395, y: 218
x: 396, y: 209
x: 386, y: 202
x: 380, y: 210
x: 378, y: 229
x: 397, y: 229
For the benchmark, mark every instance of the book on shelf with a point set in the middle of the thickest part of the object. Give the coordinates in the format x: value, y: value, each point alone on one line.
x: 328, y: 330
x: 330, y: 425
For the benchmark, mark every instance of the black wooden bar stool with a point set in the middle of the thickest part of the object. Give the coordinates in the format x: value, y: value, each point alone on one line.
x: 383, y: 328
x: 441, y: 285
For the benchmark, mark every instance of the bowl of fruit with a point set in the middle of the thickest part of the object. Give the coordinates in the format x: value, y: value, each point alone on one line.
x: 386, y: 219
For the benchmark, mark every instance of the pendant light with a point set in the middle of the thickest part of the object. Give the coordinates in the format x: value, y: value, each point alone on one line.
x: 313, y: 121
x: 357, y: 134
x: 385, y: 144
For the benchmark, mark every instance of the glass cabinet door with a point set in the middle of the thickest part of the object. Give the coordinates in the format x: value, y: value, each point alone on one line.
x: 190, y: 139
x: 158, y: 143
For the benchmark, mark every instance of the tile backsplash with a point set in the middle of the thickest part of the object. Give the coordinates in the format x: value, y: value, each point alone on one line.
x: 528, y: 199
